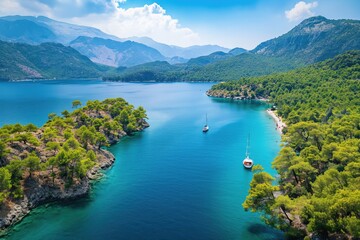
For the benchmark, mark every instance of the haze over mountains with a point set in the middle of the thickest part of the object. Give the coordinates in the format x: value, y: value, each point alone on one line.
x: 36, y: 30
x: 313, y: 40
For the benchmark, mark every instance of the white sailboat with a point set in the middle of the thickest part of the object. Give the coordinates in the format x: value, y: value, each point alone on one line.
x: 248, y: 162
x: 206, y: 127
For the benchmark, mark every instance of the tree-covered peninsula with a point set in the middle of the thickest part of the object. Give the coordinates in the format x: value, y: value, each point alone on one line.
x: 317, y: 194
x: 57, y: 160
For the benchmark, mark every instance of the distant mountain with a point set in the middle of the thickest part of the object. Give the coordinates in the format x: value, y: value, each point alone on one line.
x: 36, y: 30
x: 237, y: 51
x: 25, y: 31
x: 204, y: 60
x: 215, y: 57
x: 313, y: 40
x: 114, y: 53
x: 170, y: 51
x: 47, y: 60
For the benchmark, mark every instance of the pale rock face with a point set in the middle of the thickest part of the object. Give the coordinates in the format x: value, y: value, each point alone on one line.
x: 320, y: 27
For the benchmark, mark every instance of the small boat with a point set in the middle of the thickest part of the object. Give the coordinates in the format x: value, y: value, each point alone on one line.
x: 248, y: 162
x: 206, y: 127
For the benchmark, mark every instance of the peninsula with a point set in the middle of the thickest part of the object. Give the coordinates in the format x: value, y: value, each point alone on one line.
x: 58, y: 160
x: 317, y: 195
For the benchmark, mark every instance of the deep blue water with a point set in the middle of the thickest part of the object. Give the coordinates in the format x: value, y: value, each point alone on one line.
x: 169, y: 182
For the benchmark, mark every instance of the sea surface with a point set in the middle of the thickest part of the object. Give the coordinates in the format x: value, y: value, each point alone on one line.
x: 169, y: 182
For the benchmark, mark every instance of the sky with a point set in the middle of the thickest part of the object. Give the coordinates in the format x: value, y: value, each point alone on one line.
x: 228, y: 23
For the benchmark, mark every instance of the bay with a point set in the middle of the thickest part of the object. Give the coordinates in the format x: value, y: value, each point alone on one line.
x: 169, y: 182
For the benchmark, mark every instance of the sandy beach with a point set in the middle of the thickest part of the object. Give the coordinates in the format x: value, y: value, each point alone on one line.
x: 279, y: 123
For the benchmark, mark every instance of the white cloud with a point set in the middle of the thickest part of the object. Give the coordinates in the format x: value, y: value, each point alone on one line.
x: 149, y: 20
x: 300, y: 11
x: 110, y: 17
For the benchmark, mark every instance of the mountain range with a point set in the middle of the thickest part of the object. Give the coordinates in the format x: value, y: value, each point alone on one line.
x: 171, y: 51
x: 114, y: 53
x: 36, y: 30
x: 313, y: 40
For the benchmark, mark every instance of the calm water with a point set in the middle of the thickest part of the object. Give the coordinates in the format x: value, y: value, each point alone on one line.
x: 170, y: 181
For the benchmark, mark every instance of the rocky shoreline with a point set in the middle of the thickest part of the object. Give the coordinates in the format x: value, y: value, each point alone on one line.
x: 41, y: 194
x: 221, y: 94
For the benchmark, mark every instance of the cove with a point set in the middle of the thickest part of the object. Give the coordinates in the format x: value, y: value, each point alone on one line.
x: 169, y: 182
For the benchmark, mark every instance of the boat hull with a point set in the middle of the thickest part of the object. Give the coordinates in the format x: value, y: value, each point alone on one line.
x: 248, y: 163
x: 205, y: 129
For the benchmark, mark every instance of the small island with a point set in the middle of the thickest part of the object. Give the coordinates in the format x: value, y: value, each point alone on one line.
x: 58, y: 160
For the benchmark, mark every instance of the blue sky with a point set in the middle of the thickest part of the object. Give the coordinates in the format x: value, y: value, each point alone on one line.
x: 230, y: 23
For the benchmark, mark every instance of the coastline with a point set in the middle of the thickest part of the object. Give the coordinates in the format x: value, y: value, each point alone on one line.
x: 280, y: 125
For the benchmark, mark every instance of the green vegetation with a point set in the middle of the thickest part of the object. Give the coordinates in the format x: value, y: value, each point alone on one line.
x: 65, y: 149
x: 319, y: 165
x: 47, y: 60
x: 215, y: 67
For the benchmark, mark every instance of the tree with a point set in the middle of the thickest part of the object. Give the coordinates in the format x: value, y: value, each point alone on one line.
x: 49, y: 134
x: 101, y: 140
x: 27, y: 138
x: 53, y: 146
x: 3, y: 149
x: 51, y: 116
x: 76, y: 104
x: 32, y: 162
x: 66, y: 113
x: 261, y: 195
x: 16, y: 168
x: 5, y: 184
x: 30, y: 128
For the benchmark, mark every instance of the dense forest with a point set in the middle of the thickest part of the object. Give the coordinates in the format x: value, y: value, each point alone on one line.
x: 44, y: 61
x: 205, y: 69
x: 57, y: 160
x: 317, y: 193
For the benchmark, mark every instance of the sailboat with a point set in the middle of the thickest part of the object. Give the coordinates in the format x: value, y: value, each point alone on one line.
x: 248, y: 163
x: 206, y: 127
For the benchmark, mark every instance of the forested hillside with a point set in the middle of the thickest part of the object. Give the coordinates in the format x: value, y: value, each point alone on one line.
x: 47, y: 60
x: 317, y: 193
x: 314, y: 39
x: 215, y: 67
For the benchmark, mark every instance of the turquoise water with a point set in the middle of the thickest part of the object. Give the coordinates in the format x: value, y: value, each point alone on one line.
x: 169, y: 182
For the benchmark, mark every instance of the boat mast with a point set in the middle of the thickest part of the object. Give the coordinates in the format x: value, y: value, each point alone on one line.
x: 247, y: 146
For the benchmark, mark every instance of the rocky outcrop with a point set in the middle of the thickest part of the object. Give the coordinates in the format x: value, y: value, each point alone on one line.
x: 41, y: 190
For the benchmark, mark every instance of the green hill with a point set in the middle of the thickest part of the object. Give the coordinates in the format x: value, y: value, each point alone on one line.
x: 243, y: 65
x: 317, y: 193
x: 47, y: 60
x: 215, y: 67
